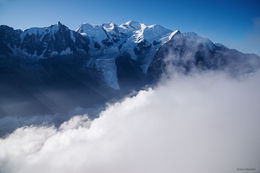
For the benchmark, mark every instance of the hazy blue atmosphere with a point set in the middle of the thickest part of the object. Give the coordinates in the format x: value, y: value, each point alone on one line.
x: 129, y: 86
x: 235, y: 23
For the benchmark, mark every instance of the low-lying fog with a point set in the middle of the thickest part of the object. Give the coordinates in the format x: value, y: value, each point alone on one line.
x: 199, y: 123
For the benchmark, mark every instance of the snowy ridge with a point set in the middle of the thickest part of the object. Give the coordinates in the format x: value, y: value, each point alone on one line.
x: 110, y: 41
x: 40, y: 32
x: 129, y: 33
x: 95, y: 32
x: 101, y: 43
x: 114, y: 51
x: 140, y: 41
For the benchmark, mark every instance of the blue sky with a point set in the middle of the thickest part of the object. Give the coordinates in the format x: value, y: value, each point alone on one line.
x: 235, y: 23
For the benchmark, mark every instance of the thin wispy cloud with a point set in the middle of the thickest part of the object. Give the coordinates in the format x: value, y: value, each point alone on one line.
x: 254, y: 38
x: 250, y: 43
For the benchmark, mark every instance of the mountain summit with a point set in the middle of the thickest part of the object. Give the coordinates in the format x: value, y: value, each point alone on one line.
x: 97, y: 63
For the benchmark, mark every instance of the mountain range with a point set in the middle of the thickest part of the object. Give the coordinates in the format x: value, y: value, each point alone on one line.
x: 54, y: 69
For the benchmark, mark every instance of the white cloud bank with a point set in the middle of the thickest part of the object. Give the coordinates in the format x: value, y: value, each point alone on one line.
x: 200, y: 124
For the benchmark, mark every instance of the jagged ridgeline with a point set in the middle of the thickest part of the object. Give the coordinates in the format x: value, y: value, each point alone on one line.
x: 55, y: 69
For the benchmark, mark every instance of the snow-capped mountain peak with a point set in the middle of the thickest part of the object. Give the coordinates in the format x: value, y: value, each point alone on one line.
x: 131, y: 31
x: 112, y: 49
x: 109, y: 26
x: 131, y: 25
x: 151, y: 33
x: 176, y: 32
x: 43, y: 31
x: 108, y: 41
x: 95, y: 32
